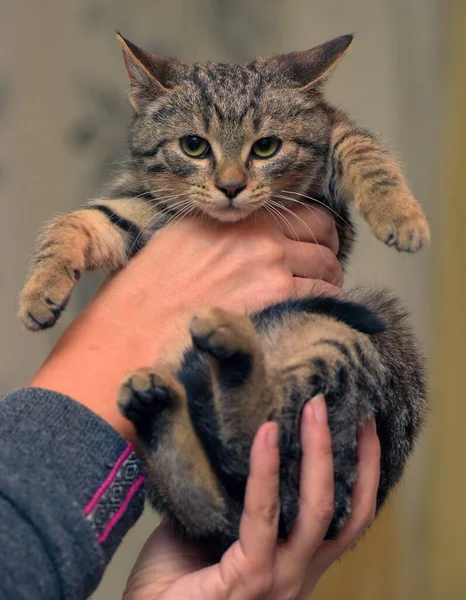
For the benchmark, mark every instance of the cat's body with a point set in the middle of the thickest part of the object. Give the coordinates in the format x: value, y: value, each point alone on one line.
x: 197, y: 426
x: 225, y: 141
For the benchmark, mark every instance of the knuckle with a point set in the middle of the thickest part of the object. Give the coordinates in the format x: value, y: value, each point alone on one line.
x: 292, y: 590
x: 267, y: 512
x: 334, y: 269
x: 283, y: 283
x: 276, y: 285
x: 275, y: 252
x: 322, y: 288
x: 325, y: 509
x: 329, y: 227
x: 269, y: 247
x: 260, y: 583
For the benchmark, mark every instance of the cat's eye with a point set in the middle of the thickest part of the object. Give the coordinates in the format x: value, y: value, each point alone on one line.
x: 266, y: 147
x: 195, y: 146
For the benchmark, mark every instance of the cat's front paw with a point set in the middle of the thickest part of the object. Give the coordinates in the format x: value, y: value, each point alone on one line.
x: 400, y: 223
x: 143, y: 394
x: 222, y: 334
x: 46, y: 295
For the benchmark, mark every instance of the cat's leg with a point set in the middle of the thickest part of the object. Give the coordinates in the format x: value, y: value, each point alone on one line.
x: 181, y: 481
x: 339, y: 363
x: 101, y: 236
x: 362, y: 170
x: 239, y: 379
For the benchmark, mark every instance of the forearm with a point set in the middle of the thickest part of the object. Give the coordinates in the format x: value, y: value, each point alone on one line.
x: 99, y: 349
x: 70, y: 488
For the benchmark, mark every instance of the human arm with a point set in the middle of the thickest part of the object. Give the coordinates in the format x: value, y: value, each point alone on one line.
x: 70, y: 488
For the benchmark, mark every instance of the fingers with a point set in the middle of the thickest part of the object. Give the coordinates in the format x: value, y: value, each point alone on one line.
x: 364, y: 499
x: 312, y: 261
x: 310, y: 223
x: 316, y: 503
x: 259, y: 522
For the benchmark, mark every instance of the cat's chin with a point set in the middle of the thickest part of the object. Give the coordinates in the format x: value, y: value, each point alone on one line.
x: 228, y: 215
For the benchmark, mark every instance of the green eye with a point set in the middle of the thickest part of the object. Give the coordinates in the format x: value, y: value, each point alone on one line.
x: 266, y: 147
x: 195, y: 146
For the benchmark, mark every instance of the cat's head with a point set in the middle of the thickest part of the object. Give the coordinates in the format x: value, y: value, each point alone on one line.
x: 227, y: 140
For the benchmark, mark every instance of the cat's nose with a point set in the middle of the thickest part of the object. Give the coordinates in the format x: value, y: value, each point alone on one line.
x: 231, y: 189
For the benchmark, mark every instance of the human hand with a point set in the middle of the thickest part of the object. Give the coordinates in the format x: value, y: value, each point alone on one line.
x: 140, y: 316
x: 258, y: 566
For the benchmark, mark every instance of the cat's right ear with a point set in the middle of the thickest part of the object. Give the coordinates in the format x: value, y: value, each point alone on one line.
x: 311, y: 68
x: 148, y: 73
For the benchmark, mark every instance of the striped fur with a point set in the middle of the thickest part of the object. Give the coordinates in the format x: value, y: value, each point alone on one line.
x: 196, y: 421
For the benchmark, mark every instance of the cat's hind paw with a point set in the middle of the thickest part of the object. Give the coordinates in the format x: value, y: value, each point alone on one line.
x: 144, y: 393
x: 221, y: 333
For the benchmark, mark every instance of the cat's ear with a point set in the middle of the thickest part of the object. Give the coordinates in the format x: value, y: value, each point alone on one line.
x: 149, y: 74
x: 312, y: 68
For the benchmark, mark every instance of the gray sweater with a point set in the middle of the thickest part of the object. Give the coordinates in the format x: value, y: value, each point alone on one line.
x: 70, y: 488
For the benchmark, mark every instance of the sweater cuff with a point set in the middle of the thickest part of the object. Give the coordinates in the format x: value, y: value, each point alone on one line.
x: 71, y: 474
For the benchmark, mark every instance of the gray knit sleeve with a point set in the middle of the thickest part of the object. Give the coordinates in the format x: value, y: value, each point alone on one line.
x: 70, y: 488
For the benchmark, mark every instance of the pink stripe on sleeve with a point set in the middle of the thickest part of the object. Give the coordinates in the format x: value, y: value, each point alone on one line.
x: 119, y: 513
x: 111, y: 476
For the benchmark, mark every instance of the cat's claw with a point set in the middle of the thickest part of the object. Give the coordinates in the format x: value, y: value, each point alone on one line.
x: 406, y: 229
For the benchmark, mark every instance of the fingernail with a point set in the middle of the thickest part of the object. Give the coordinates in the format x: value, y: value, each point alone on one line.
x: 272, y: 437
x: 320, y: 409
x: 308, y: 413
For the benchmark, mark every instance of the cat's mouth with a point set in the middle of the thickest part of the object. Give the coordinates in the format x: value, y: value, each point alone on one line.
x: 231, y: 212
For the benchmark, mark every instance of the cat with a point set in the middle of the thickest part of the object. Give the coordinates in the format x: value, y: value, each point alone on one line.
x: 226, y: 140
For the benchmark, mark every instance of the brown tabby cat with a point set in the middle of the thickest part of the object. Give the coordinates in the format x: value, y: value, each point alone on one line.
x: 225, y: 141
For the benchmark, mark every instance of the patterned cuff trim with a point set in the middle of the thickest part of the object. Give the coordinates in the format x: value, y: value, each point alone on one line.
x: 111, y: 500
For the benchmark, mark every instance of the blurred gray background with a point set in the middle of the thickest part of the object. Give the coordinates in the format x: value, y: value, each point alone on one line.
x: 63, y: 114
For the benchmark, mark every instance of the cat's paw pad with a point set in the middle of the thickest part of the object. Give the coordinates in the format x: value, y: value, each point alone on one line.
x: 143, y: 393
x: 45, y: 296
x: 406, y: 227
x: 220, y: 333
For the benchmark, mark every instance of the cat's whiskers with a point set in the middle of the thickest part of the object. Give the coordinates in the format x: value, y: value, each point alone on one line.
x: 281, y: 207
x: 171, y: 196
x: 275, y: 214
x: 190, y: 209
x: 167, y: 209
x: 145, y: 227
x: 314, y: 210
x: 277, y: 209
x: 317, y: 202
x: 273, y: 207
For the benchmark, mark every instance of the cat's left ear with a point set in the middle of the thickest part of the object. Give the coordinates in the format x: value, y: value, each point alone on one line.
x: 149, y: 74
x: 312, y: 68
